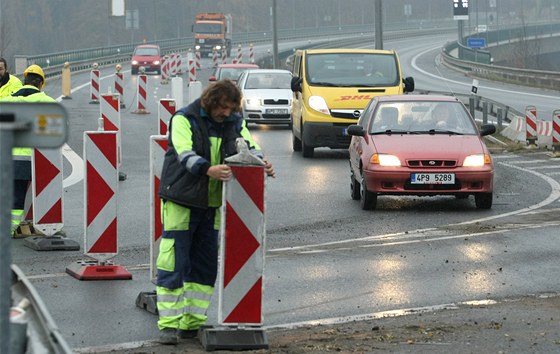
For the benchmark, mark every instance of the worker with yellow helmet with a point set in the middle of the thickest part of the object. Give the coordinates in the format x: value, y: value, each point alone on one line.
x: 33, y: 82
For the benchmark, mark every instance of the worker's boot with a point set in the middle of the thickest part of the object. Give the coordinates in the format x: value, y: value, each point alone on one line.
x: 168, y: 336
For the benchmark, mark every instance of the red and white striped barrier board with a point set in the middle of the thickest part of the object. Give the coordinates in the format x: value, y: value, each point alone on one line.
x: 165, y: 70
x: 214, y: 58
x: 141, y: 96
x: 179, y: 64
x: 166, y: 109
x: 224, y: 56
x: 100, y: 212
x: 119, y: 87
x: 531, y: 124
x: 111, y: 114
x: 47, y: 191
x: 556, y: 127
x: 94, y: 87
x: 242, y: 247
x: 544, y: 128
x: 173, y: 63
x: 28, y: 204
x: 251, y: 54
x: 158, y: 147
x: 192, y: 71
x: 197, y: 60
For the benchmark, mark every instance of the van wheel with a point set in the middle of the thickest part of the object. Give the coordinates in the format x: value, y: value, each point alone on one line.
x: 368, y: 200
x: 307, y: 150
x: 296, y: 143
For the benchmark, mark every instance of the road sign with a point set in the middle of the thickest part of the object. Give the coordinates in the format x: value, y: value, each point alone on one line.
x: 476, y: 42
x: 460, y: 9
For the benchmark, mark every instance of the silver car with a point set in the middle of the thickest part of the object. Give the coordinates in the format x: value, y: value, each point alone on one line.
x: 267, y: 96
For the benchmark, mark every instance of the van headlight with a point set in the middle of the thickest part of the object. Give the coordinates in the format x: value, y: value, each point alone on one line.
x: 253, y: 101
x: 319, y: 104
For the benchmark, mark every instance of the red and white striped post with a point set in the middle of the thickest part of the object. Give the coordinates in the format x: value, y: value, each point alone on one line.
x: 556, y: 133
x: 94, y: 87
x: 47, y: 190
x: 251, y: 54
x: 173, y: 63
x: 239, y: 58
x: 166, y: 109
x: 100, y: 211
x: 531, y: 125
x: 179, y: 64
x: 242, y: 250
x: 141, y: 95
x: 119, y: 84
x: 110, y: 113
x: 224, y: 56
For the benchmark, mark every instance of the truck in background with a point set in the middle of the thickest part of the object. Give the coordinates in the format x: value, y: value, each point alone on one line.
x: 212, y: 31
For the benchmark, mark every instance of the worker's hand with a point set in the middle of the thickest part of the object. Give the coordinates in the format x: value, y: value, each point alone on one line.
x: 219, y: 172
x: 268, y: 169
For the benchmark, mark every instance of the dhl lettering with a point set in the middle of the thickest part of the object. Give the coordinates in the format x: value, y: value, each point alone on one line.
x: 357, y: 97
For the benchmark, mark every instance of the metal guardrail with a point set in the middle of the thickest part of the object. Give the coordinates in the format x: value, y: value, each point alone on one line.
x: 464, y: 59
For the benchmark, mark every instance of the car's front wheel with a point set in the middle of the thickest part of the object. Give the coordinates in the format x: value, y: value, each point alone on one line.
x: 483, y: 200
x: 368, y: 200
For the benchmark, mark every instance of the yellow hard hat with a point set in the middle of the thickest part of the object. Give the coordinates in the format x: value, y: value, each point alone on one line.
x: 36, y: 69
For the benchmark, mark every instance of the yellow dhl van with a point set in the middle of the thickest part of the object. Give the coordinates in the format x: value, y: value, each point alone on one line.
x: 331, y: 89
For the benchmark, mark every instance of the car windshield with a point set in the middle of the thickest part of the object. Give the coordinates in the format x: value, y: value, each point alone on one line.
x: 352, y: 69
x: 147, y: 52
x: 211, y: 28
x: 231, y: 73
x: 422, y: 117
x: 268, y: 81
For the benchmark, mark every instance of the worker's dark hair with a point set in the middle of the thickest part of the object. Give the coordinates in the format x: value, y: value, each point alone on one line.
x: 33, y: 79
x: 220, y: 92
x: 2, y: 60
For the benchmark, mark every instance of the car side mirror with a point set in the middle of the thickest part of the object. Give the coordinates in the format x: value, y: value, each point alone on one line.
x: 356, y: 130
x: 487, y: 129
x: 408, y: 84
x: 295, y: 84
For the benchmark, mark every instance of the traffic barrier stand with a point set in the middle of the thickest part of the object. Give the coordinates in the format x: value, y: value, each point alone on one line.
x: 251, y: 54
x: 47, y: 192
x: 141, y: 95
x: 147, y: 300
x: 173, y: 64
x: 100, y: 211
x: 242, y: 251
x: 94, y: 87
x: 66, y: 81
x: 119, y: 85
x: 110, y: 113
x: 166, y: 109
x: 556, y: 133
x: 531, y: 125
x: 224, y: 56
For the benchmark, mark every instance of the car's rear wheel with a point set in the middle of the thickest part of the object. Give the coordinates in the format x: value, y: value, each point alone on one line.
x: 354, y: 185
x: 483, y: 200
x: 368, y: 200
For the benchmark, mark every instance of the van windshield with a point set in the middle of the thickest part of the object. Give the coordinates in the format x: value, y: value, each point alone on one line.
x: 352, y: 69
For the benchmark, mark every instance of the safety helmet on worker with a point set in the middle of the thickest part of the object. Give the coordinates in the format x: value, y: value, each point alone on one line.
x: 36, y: 69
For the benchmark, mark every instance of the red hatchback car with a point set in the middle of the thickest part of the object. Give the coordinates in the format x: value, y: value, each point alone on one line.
x: 421, y: 145
x: 147, y: 56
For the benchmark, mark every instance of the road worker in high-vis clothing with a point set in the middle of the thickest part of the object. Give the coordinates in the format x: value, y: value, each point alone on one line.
x: 8, y: 82
x: 201, y: 136
x: 31, y: 91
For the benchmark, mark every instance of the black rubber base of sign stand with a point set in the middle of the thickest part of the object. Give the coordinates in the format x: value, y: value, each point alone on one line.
x: 51, y: 243
x: 228, y: 338
x: 147, y: 300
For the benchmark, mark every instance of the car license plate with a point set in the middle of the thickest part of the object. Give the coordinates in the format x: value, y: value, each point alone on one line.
x: 276, y: 111
x: 432, y: 178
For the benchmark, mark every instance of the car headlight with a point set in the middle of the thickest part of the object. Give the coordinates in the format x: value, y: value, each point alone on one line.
x: 319, y: 104
x: 477, y: 160
x: 218, y: 47
x: 385, y: 160
x: 156, y: 62
x: 253, y: 101
x: 197, y: 47
x: 135, y: 62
